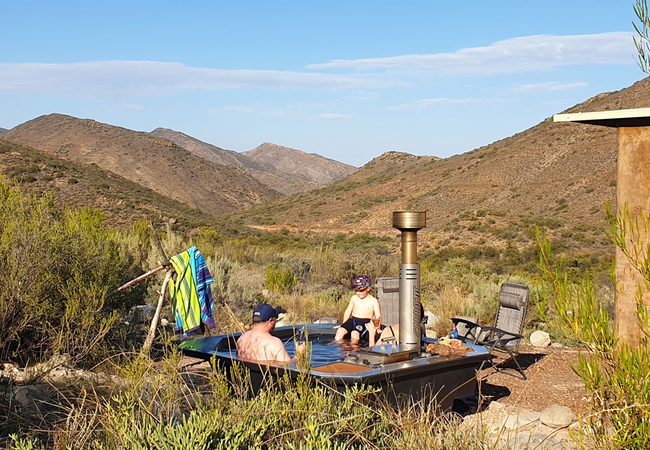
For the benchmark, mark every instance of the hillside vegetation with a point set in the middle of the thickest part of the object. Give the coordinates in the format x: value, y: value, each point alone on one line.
x: 556, y: 175
x: 154, y: 163
x: 88, y: 186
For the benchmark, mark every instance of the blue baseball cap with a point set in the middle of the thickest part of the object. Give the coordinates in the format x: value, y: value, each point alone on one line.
x: 265, y: 312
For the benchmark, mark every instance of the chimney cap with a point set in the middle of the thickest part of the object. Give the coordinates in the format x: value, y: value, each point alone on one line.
x: 409, y: 220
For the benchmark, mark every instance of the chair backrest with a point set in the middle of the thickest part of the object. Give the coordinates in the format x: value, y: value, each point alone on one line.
x: 387, y: 292
x: 513, y: 306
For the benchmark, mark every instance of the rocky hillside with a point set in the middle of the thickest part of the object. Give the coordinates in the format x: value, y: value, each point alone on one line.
x: 284, y: 169
x: 154, y: 163
x: 558, y: 175
x: 202, y: 149
x: 3, y: 130
x: 89, y: 186
x: 296, y: 163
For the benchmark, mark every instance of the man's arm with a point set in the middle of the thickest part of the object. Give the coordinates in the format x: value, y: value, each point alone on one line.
x: 278, y: 351
x: 283, y: 356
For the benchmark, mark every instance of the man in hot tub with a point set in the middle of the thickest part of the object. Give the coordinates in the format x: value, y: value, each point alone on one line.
x: 258, y: 344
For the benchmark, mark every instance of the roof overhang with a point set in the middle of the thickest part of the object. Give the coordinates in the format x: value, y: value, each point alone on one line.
x: 639, y: 117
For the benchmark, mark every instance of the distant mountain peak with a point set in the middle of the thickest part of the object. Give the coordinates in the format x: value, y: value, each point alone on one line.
x: 286, y: 170
x: 296, y: 163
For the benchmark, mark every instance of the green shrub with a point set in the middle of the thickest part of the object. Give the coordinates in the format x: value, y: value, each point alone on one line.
x: 56, y: 265
x: 279, y: 279
x: 615, y: 373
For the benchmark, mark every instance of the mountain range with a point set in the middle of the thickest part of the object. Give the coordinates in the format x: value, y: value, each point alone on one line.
x: 147, y: 160
x: 284, y: 169
x: 557, y: 175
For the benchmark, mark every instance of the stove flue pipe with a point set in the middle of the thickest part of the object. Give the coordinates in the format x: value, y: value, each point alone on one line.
x: 409, y: 223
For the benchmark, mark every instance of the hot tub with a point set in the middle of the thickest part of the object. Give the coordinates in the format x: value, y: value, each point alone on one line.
x: 424, y: 376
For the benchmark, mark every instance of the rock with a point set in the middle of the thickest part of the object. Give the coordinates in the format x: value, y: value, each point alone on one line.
x: 164, y: 322
x: 540, y: 338
x: 141, y: 314
x: 283, y: 320
x: 431, y: 318
x: 497, y: 405
x: 527, y: 440
x: 514, y: 421
x: 558, y: 345
x: 432, y: 334
x: 327, y: 320
x: 557, y: 416
x: 31, y: 398
x: 511, y: 421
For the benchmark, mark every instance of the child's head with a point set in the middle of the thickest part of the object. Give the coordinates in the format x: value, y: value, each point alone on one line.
x: 362, y: 285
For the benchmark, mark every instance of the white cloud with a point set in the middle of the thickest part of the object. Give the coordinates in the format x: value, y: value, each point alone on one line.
x: 150, y: 78
x: 549, y: 87
x: 521, y: 54
x: 295, y: 115
x: 427, y: 102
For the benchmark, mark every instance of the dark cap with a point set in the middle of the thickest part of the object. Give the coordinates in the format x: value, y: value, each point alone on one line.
x: 265, y: 312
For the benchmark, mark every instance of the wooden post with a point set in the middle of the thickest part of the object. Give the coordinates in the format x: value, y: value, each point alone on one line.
x: 633, y: 191
x: 168, y: 267
x: 156, y: 316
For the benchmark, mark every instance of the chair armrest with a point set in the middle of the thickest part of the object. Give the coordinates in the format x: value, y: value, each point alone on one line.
x: 469, y: 323
x: 474, y: 330
x: 502, y: 333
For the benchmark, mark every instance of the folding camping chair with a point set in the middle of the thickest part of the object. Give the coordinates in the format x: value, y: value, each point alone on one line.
x: 505, y: 335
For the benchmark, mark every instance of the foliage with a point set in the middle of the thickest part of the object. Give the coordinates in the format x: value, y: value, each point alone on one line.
x: 615, y: 373
x: 642, y: 41
x: 280, y: 280
x: 56, y: 265
x: 23, y: 443
x: 159, y: 407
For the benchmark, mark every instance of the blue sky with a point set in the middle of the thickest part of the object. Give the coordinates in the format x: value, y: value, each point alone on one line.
x: 348, y: 80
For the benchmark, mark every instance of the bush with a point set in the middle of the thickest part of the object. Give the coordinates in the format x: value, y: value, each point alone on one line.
x: 218, y: 412
x: 614, y: 372
x: 279, y: 279
x: 56, y: 265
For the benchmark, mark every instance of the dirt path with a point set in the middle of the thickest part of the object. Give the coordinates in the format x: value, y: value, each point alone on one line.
x: 550, y: 381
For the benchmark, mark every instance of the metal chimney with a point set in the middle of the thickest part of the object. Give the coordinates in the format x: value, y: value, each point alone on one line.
x: 409, y: 223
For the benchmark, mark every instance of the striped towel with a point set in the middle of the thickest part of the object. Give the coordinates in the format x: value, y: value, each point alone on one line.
x: 191, y: 294
x: 203, y: 280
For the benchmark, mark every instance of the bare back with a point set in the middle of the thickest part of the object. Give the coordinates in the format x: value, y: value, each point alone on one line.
x: 257, y: 345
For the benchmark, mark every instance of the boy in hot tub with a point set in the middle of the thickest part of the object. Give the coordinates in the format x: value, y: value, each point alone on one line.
x: 360, y: 311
